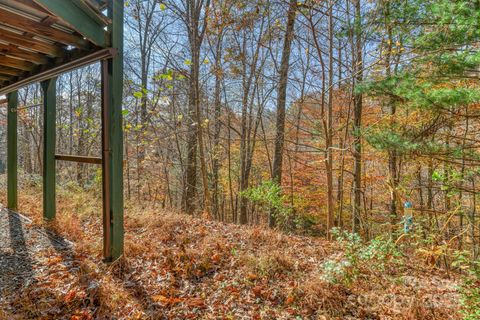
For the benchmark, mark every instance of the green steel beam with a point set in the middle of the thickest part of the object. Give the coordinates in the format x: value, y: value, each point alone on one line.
x: 113, y: 138
x: 79, y: 19
x: 12, y: 165
x: 49, y: 138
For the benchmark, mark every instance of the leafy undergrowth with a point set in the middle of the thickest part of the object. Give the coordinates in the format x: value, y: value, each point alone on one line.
x: 179, y: 267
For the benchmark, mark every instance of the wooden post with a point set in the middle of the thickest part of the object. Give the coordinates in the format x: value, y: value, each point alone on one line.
x: 12, y: 166
x: 112, y: 138
x: 49, y: 141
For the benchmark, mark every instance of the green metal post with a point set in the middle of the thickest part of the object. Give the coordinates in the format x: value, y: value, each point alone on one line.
x: 113, y: 138
x: 12, y: 166
x: 49, y: 139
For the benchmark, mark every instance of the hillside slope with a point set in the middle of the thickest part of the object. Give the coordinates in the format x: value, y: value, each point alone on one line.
x: 179, y: 267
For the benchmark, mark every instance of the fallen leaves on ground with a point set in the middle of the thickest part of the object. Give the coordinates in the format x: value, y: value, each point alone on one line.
x: 179, y: 267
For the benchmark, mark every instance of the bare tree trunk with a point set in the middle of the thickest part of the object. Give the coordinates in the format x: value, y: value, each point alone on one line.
x: 233, y: 211
x: 250, y: 75
x: 217, y: 52
x: 201, y: 154
x: 190, y: 192
x: 196, y: 32
x: 475, y: 241
x: 329, y: 129
x: 281, y: 102
x: 462, y: 183
x: 421, y: 197
x: 216, y: 134
x: 81, y: 134
x: 357, y: 122
x: 430, y: 195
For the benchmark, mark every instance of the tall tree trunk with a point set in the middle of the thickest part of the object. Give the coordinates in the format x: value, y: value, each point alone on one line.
x: 430, y: 194
x: 196, y: 32
x: 217, y: 52
x: 475, y: 241
x: 357, y: 122
x: 392, y: 154
x: 201, y: 155
x: 281, y: 102
x: 216, y: 134
x: 81, y: 123
x: 247, y: 141
x: 190, y: 193
x: 329, y: 129
x: 462, y: 183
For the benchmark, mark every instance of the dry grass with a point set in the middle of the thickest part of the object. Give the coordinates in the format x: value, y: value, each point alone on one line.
x: 269, y: 265
x: 323, y: 298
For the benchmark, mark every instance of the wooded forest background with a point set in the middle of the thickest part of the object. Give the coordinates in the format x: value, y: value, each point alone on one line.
x: 298, y: 115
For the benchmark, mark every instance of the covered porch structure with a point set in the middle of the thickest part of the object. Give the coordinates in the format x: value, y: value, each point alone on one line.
x: 41, y: 39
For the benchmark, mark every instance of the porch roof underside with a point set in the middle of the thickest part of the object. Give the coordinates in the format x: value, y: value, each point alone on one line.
x: 40, y: 39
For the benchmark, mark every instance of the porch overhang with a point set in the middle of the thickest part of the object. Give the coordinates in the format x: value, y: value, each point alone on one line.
x: 41, y: 39
x: 38, y: 36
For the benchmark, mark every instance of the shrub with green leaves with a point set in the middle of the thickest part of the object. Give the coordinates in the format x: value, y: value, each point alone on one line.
x: 345, y: 269
x: 269, y: 194
x: 470, y: 288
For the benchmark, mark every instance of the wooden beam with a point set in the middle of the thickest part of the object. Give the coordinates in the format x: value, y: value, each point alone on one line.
x: 49, y: 20
x: 79, y: 17
x: 12, y: 165
x: 49, y: 138
x: 10, y: 71
x: 11, y: 50
x: 19, y: 22
x: 15, y: 63
x: 32, y: 44
x: 44, y: 72
x: 81, y: 159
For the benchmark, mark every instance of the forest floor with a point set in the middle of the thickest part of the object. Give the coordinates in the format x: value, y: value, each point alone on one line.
x: 179, y: 267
